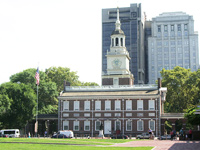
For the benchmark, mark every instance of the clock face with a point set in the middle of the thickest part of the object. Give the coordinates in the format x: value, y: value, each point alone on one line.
x: 116, y: 63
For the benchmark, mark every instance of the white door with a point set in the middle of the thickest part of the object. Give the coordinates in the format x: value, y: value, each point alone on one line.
x: 107, y: 127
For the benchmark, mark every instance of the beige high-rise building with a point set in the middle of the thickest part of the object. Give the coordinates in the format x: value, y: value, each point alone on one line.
x: 173, y: 43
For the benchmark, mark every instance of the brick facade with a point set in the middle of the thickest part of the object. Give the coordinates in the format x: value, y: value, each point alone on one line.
x: 120, y: 101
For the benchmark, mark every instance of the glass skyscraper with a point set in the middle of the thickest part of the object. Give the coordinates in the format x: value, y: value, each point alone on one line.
x: 132, y: 25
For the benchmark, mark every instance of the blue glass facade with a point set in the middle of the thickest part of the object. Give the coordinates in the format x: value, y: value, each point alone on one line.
x: 147, y: 34
x: 130, y: 18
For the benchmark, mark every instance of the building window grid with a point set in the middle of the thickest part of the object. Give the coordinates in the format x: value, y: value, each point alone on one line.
x: 107, y: 105
x: 87, y: 125
x: 107, y: 114
x: 76, y: 125
x: 65, y: 114
x: 140, y: 114
x: 165, y: 28
x: 66, y: 105
x: 97, y: 114
x: 172, y: 27
x: 86, y: 114
x: 128, y: 125
x: 179, y: 27
x: 152, y: 103
x: 76, y: 114
x: 87, y: 105
x: 159, y: 28
x: 185, y: 27
x: 76, y: 105
x: 139, y: 104
x: 151, y: 114
x: 117, y: 125
x: 140, y: 125
x: 117, y: 114
x: 128, y: 105
x: 97, y: 125
x: 65, y: 125
x: 97, y: 105
x: 128, y: 114
x: 117, y: 105
x: 152, y: 125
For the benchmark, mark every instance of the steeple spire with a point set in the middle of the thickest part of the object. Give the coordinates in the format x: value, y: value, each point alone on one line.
x: 117, y: 24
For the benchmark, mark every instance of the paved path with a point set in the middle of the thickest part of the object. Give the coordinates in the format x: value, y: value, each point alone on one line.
x: 163, y: 144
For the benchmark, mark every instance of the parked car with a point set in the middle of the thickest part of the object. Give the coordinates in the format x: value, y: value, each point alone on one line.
x: 3, y: 135
x: 64, y: 134
x: 119, y: 136
x: 60, y: 136
x: 165, y: 137
x: 143, y: 136
x: 68, y: 133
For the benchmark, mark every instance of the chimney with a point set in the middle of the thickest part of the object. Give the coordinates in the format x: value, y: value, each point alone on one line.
x: 64, y: 84
x: 67, y: 83
x: 159, y: 83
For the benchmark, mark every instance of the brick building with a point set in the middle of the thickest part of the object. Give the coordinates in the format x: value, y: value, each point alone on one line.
x: 129, y: 110
x: 118, y: 106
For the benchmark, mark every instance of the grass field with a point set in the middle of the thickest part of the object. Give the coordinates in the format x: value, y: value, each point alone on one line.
x: 63, y: 144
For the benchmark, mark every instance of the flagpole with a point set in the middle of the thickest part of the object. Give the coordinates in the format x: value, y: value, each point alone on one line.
x: 37, y: 77
x: 37, y: 113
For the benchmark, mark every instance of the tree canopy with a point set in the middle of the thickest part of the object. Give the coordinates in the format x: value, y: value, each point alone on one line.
x: 18, y: 97
x: 47, y: 92
x: 18, y: 104
x: 60, y: 74
x: 192, y: 118
x: 183, y: 88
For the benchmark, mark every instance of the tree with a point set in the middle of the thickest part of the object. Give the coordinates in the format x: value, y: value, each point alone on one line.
x: 89, y: 84
x: 20, y: 104
x: 5, y: 103
x: 191, y: 117
x: 60, y: 74
x: 51, y: 84
x: 181, y: 90
x: 47, y: 90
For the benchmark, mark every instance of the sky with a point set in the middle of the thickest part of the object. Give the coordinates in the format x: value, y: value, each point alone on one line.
x: 65, y: 33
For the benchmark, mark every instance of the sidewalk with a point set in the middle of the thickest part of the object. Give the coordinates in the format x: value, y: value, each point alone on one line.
x: 163, y: 144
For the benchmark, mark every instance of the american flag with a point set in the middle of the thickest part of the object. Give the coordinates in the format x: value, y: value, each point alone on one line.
x: 37, y: 76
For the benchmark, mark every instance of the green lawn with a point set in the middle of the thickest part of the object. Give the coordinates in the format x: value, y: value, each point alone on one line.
x: 62, y: 144
x: 67, y: 141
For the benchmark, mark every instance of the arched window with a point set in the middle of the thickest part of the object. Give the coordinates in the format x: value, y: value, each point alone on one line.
x: 112, y: 42
x: 116, y: 42
x: 121, y: 41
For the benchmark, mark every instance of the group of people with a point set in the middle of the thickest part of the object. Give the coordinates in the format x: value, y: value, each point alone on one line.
x: 182, y: 134
x: 173, y: 134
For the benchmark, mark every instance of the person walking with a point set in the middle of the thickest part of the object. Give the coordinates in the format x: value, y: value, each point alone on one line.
x: 150, y: 133
x: 181, y: 134
x: 174, y: 134
x: 171, y: 133
x: 190, y: 134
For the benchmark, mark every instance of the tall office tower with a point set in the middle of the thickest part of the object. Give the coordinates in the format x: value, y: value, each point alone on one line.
x: 173, y: 43
x: 147, y: 34
x: 132, y: 25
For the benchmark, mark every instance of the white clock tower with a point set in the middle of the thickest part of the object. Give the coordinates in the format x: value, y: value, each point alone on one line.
x: 117, y: 59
